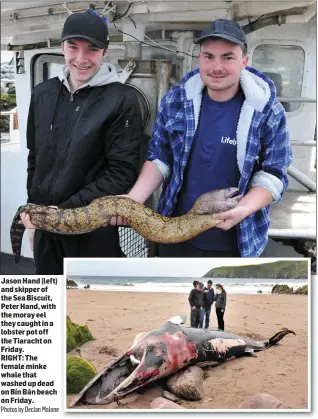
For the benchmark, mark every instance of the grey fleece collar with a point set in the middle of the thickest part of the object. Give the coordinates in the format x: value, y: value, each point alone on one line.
x: 106, y: 74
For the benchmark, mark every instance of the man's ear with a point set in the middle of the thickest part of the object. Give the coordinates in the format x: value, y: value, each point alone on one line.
x: 105, y: 52
x: 245, y: 61
x: 62, y: 46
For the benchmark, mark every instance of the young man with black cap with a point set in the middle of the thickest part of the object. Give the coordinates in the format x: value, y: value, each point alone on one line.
x: 83, y: 136
x: 221, y: 127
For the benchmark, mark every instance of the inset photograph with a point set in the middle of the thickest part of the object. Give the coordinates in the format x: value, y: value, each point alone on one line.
x: 187, y: 334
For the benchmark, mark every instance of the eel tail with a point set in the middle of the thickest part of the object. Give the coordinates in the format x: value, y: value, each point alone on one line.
x: 16, y: 233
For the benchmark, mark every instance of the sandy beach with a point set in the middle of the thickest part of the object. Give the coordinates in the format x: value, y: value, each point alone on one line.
x: 114, y: 319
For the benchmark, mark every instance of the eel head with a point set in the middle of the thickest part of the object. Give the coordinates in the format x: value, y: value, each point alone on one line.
x: 216, y: 201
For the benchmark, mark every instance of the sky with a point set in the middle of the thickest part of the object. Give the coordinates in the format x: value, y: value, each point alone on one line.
x: 158, y: 267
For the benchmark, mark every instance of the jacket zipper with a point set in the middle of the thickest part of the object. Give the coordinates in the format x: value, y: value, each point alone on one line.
x: 126, y: 128
x: 59, y: 154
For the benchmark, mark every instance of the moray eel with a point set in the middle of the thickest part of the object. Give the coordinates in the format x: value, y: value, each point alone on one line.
x: 149, y: 224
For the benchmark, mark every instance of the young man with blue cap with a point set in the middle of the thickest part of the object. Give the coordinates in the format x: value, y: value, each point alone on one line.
x: 221, y: 127
x: 83, y: 136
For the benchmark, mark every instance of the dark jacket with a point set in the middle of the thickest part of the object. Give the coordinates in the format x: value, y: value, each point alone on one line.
x: 208, y: 297
x: 84, y: 145
x: 220, y: 300
x: 196, y: 298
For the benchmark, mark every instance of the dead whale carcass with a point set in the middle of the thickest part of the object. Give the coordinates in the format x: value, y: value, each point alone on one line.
x: 162, y: 352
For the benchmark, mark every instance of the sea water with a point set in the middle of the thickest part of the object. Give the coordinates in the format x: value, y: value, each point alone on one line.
x: 181, y: 285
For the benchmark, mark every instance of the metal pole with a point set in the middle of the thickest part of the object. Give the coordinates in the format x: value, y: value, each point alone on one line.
x: 302, y: 179
x: 304, y: 143
x: 296, y: 99
x: 163, y: 77
x: 133, y: 49
x: 284, y: 233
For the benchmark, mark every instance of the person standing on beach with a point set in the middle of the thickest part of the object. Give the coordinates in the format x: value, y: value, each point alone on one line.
x: 83, y: 134
x: 207, y: 304
x: 196, y: 303
x: 220, y: 304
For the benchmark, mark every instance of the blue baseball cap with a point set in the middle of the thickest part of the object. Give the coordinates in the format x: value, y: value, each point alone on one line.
x: 225, y: 29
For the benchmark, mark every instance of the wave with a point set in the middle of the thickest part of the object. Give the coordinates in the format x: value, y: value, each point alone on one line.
x: 126, y: 284
x: 182, y: 285
x: 269, y: 285
x: 165, y: 284
x: 189, y: 285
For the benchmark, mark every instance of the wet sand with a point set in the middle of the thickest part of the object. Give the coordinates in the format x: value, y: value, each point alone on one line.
x: 115, y: 318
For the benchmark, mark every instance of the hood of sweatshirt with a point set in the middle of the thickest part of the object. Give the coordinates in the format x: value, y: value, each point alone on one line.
x: 105, y: 75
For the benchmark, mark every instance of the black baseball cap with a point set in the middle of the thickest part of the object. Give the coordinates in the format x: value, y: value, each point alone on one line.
x: 225, y: 29
x: 86, y: 25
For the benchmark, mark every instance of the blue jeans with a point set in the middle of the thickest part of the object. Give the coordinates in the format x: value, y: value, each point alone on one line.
x: 205, y: 312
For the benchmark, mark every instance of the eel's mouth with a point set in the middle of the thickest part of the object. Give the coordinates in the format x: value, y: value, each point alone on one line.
x: 120, y: 378
x: 231, y: 193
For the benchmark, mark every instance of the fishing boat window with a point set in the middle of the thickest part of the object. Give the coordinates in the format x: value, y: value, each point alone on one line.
x: 46, y: 66
x: 284, y: 64
x: 51, y: 70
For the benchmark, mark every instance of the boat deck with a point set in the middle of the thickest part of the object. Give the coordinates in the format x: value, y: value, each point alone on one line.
x: 8, y: 267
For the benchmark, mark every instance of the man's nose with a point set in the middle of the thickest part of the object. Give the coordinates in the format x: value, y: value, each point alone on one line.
x: 81, y: 56
x: 216, y: 64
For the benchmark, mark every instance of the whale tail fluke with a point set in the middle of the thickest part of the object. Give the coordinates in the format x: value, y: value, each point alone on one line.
x: 279, y: 336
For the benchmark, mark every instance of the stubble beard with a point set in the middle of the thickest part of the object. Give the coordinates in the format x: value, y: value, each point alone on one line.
x: 226, y: 86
